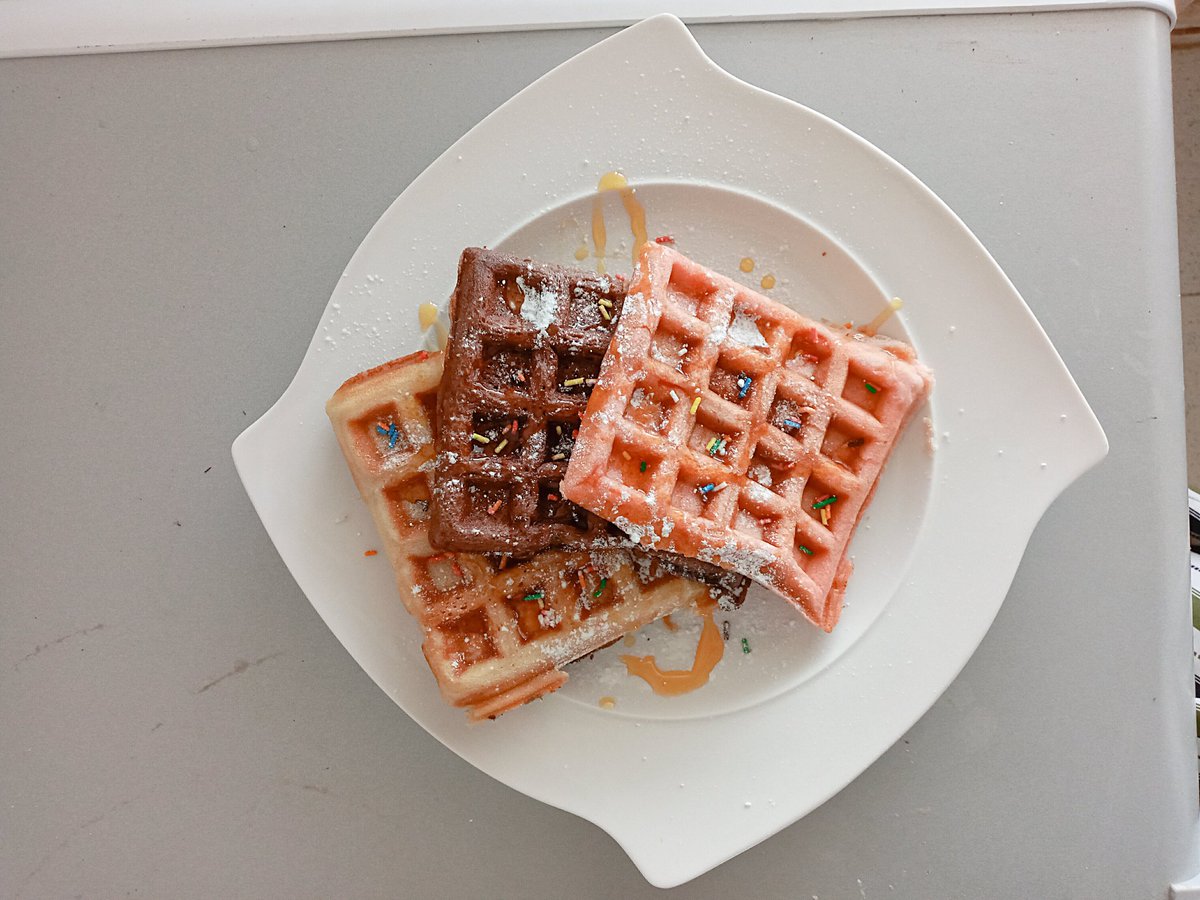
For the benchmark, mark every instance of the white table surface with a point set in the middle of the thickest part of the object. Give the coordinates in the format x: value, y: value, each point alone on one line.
x: 176, y: 721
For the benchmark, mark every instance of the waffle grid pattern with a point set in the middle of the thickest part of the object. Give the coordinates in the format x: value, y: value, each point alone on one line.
x: 790, y: 414
x: 525, y: 347
x: 496, y: 631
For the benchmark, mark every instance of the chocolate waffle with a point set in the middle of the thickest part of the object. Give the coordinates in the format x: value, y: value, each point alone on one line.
x: 726, y: 427
x: 496, y: 631
x: 525, y: 347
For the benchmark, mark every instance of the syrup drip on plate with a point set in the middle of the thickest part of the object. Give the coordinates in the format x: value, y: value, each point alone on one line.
x: 615, y: 181
x: 876, y: 323
x: 671, y: 683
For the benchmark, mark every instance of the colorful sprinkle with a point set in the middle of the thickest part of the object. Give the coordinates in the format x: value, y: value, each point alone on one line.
x: 553, y: 498
x: 582, y: 584
x: 695, y: 406
x: 825, y: 501
x: 664, y: 239
x: 521, y: 377
x: 709, y: 446
x: 607, y: 315
x: 743, y: 384
x: 870, y: 387
x: 720, y: 487
x: 392, y: 433
x: 705, y: 488
x: 573, y: 382
x: 625, y: 453
x: 643, y: 466
x: 791, y: 423
x: 558, y: 457
x: 479, y: 438
x: 599, y: 590
x: 745, y: 645
x: 370, y: 553
x: 513, y: 427
x: 494, y: 508
x: 536, y: 595
x: 805, y: 550
x: 500, y: 446
x: 604, y: 301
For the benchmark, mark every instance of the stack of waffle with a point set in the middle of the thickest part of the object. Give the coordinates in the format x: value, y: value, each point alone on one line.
x: 586, y: 459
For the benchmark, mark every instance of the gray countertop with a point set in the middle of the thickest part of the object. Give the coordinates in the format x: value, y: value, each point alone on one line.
x: 174, y: 718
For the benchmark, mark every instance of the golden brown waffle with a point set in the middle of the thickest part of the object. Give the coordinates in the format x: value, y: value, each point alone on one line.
x: 496, y: 632
x: 726, y: 427
x: 526, y: 341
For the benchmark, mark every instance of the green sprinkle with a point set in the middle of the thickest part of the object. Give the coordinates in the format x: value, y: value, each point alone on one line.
x: 643, y: 465
x: 805, y: 550
x: 482, y: 439
x: 745, y: 645
x: 600, y: 590
x: 828, y: 501
x: 871, y: 387
x: 536, y: 595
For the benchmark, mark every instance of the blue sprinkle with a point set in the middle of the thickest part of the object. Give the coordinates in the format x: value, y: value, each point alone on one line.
x: 704, y: 489
x: 392, y: 433
x: 791, y: 423
x: 744, y: 386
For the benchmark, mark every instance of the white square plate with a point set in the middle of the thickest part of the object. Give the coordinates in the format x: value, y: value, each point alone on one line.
x: 731, y: 171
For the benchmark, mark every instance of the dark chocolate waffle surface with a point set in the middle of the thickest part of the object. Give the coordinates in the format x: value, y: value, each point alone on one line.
x: 526, y: 343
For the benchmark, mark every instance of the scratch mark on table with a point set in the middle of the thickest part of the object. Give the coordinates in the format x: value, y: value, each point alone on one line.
x: 62, y: 845
x: 239, y: 667
x: 82, y: 632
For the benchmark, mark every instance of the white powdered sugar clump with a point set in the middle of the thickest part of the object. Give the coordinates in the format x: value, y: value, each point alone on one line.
x: 750, y: 563
x: 539, y: 306
x: 743, y: 329
x: 643, y: 534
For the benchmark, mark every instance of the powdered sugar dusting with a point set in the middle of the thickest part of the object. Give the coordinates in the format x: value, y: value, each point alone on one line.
x: 540, y: 305
x: 743, y: 329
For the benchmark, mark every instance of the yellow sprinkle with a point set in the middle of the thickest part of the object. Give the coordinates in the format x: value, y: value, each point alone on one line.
x: 607, y: 315
x: 747, y: 264
x: 709, y: 445
x: 825, y: 515
x: 695, y: 405
x: 476, y: 436
x: 573, y: 382
x: 607, y: 702
x: 768, y: 282
x: 604, y: 301
x: 427, y: 314
x: 500, y: 446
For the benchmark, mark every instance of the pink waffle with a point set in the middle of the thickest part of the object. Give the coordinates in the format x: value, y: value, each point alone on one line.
x: 726, y: 427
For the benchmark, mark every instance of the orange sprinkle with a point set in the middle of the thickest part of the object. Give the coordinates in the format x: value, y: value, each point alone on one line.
x: 370, y: 552
x: 494, y: 507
